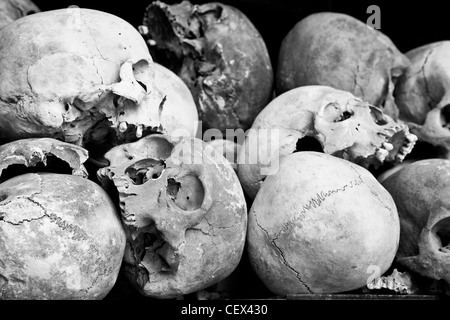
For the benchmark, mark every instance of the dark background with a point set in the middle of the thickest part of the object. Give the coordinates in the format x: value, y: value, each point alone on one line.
x: 408, y: 24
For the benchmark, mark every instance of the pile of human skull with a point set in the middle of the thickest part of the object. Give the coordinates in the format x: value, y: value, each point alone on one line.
x: 170, y: 159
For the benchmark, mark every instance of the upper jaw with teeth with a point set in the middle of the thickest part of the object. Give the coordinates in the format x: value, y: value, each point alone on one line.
x: 396, y: 147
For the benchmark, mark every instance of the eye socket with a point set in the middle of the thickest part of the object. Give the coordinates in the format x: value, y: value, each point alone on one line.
x: 187, y: 192
x: 441, y: 230
x: 333, y: 113
x: 445, y: 116
x: 3, y: 196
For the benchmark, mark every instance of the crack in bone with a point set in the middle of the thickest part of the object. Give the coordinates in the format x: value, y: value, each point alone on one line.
x: 356, y: 84
x: 86, y: 23
x: 425, y: 80
x: 272, y: 241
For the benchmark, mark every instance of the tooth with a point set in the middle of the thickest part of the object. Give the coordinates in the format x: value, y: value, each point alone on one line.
x: 381, y: 154
x: 102, y: 172
x: 411, y: 137
x: 139, y: 131
x: 143, y: 30
x: 123, y: 126
x: 151, y: 42
x: 387, y: 146
x: 401, y: 156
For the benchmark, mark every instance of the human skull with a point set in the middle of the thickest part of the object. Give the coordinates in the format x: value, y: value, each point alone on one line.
x: 421, y: 94
x: 337, y: 50
x: 229, y: 149
x: 219, y: 54
x: 179, y: 117
x: 421, y: 194
x: 11, y: 10
x: 63, y: 71
x: 345, y: 126
x: 184, y: 212
x: 60, y: 234
x: 319, y: 225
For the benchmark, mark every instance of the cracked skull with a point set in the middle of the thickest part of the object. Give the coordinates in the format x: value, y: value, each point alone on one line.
x: 337, y: 50
x: 319, y: 225
x: 219, y: 54
x: 64, y: 71
x: 60, y: 234
x: 184, y: 212
x: 421, y: 94
x: 341, y: 124
x: 420, y: 191
x: 11, y: 10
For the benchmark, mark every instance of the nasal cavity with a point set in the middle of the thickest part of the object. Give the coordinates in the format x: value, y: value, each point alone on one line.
x: 145, y: 170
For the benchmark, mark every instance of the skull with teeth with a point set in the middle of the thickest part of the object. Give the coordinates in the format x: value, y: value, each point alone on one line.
x: 11, y: 10
x: 184, y: 212
x: 420, y: 191
x: 337, y: 50
x: 64, y: 71
x: 343, y: 125
x: 421, y: 94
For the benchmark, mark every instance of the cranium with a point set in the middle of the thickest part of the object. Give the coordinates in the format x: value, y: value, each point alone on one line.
x: 11, y: 10
x: 337, y: 50
x: 345, y: 126
x: 184, y: 212
x: 421, y: 194
x: 64, y: 71
x: 60, y: 234
x: 229, y: 149
x: 179, y: 118
x: 319, y: 224
x: 422, y: 97
x: 219, y: 54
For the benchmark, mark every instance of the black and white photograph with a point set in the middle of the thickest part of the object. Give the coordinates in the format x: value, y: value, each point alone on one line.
x: 232, y: 159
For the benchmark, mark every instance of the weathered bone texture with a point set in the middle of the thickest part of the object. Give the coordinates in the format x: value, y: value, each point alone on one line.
x: 337, y: 50
x: 319, y: 224
x: 345, y: 126
x: 397, y: 282
x: 60, y: 235
x: 421, y: 193
x: 178, y: 115
x: 422, y: 97
x: 63, y: 71
x: 29, y: 152
x: 219, y: 54
x: 184, y: 211
x: 227, y: 148
x: 11, y: 10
